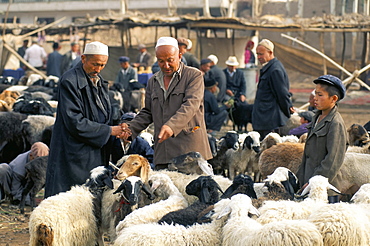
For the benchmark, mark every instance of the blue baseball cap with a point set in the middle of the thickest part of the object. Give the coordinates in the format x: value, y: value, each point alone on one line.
x: 123, y: 59
x: 332, y: 80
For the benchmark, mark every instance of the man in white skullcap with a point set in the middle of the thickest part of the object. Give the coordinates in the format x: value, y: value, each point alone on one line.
x: 174, y: 103
x: 219, y: 76
x: 272, y: 104
x: 82, y: 130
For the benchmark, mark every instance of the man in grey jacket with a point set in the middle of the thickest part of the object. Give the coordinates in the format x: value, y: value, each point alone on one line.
x: 174, y: 103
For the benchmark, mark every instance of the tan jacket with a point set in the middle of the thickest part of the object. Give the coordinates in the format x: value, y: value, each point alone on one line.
x: 183, y: 111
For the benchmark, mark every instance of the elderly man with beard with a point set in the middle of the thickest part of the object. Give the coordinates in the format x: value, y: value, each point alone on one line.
x: 81, y: 134
x: 174, y: 103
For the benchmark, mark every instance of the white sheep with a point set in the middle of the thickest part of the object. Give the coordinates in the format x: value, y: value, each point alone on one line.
x: 164, y: 234
x: 342, y: 224
x: 70, y: 218
x: 163, y: 188
x: 317, y: 190
x: 271, y: 139
x: 242, y: 230
x: 290, y: 139
x: 362, y: 195
x: 147, y: 136
x: 238, y: 160
x: 139, y: 166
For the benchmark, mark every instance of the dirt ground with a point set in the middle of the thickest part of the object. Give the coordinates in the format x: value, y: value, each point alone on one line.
x: 355, y: 108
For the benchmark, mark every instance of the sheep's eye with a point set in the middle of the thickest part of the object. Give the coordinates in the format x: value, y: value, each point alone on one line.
x: 150, y: 182
x: 136, y: 163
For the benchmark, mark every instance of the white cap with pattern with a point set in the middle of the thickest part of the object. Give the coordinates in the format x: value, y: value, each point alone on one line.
x: 96, y: 48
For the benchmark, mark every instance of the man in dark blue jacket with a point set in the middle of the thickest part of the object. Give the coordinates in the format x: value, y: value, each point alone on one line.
x: 235, y: 81
x: 214, y: 115
x: 272, y: 105
x: 122, y: 147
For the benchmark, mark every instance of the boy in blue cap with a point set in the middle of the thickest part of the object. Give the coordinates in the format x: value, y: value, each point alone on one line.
x: 327, y: 139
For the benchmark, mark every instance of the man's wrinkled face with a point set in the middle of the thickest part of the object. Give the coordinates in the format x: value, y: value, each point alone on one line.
x: 264, y: 55
x: 93, y: 64
x: 168, y: 58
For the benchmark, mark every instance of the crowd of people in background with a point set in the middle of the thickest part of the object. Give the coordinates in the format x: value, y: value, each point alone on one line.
x: 204, y: 85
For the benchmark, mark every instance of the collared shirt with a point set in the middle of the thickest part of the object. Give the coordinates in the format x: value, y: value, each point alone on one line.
x: 142, y: 57
x: 35, y: 55
x: 125, y: 146
x: 161, y: 82
x: 230, y: 73
x: 97, y: 94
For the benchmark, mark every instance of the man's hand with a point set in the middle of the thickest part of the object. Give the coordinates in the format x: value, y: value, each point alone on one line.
x: 165, y: 133
x: 121, y: 131
x: 242, y: 98
x: 229, y: 92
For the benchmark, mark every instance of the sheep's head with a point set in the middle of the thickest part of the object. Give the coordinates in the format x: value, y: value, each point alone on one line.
x: 99, y: 177
x: 318, y: 187
x: 358, y: 135
x: 205, y: 188
x: 135, y: 165
x: 241, y: 184
x: 161, y: 185
x: 252, y: 141
x: 362, y: 195
x: 285, y: 177
x: 130, y: 190
x: 271, y: 139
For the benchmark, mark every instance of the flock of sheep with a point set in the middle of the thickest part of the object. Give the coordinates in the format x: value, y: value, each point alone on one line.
x: 246, y: 195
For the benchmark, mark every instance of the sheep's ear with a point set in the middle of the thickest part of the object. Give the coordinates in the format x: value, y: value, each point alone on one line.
x: 331, y: 187
x: 225, y: 212
x: 108, y: 182
x: 248, y: 141
x: 147, y: 191
x: 144, y: 170
x: 306, y: 190
x: 121, y: 187
x: 253, y: 210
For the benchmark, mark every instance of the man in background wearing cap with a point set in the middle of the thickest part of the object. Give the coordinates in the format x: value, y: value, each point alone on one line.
x: 82, y: 127
x: 306, y: 118
x: 219, y: 76
x: 272, y: 104
x: 214, y: 115
x: 144, y: 58
x: 327, y: 138
x: 122, y: 81
x: 235, y: 81
x: 174, y: 103
x: 191, y: 60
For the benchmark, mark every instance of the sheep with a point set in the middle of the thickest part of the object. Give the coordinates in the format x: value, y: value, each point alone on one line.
x: 364, y: 149
x: 190, y: 163
x: 279, y: 210
x: 127, y: 197
x: 208, y: 234
x: 271, y: 139
x: 206, y: 189
x: 148, y: 137
x: 240, y: 180
x: 139, y: 166
x: 35, y: 180
x: 163, y: 188
x: 218, y: 162
x: 293, y: 122
x: 242, y: 230
x: 26, y: 104
x: 281, y: 155
x: 241, y: 115
x: 290, y: 139
x: 12, y: 142
x: 238, y: 160
x: 362, y: 195
x: 342, y: 224
x: 357, y: 135
x: 71, y: 217
x: 34, y: 125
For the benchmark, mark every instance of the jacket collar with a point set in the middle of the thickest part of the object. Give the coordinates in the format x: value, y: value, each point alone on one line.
x: 321, y: 124
x: 269, y: 64
x: 82, y: 78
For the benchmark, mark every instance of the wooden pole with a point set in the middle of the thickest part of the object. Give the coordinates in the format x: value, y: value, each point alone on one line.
x: 42, y: 28
x: 11, y: 50
x: 324, y: 68
x: 326, y: 57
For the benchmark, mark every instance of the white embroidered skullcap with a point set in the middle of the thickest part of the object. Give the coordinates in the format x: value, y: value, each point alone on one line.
x: 167, y: 41
x: 96, y: 48
x: 267, y: 44
x: 190, y: 44
x: 213, y: 58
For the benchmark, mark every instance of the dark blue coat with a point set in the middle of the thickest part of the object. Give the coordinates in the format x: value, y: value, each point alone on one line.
x: 53, y: 64
x: 272, y: 103
x: 79, y: 141
x: 220, y: 77
x: 138, y: 146
x: 236, y: 83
